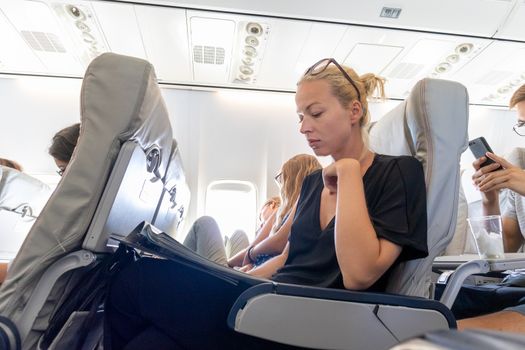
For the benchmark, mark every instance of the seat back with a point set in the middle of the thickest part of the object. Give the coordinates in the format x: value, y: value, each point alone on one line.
x: 431, y: 125
x: 175, y: 197
x: 22, y: 197
x: 121, y: 156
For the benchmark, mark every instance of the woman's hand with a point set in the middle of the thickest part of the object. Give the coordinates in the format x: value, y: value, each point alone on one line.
x: 489, y: 181
x: 331, y: 172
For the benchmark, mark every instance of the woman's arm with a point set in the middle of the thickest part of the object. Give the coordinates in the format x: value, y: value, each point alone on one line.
x: 261, y: 234
x: 270, y: 267
x: 273, y: 244
x: 362, y: 256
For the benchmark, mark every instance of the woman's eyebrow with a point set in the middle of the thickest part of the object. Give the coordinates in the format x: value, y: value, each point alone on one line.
x: 308, y: 107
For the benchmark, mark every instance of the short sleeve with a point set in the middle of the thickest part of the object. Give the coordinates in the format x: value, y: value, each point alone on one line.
x: 400, y: 214
x: 510, y: 205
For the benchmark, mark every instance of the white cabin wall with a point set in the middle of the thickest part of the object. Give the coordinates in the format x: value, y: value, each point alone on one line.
x: 33, y: 109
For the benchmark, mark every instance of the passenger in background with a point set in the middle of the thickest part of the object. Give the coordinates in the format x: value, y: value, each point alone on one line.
x: 10, y: 164
x: 267, y: 216
x: 205, y: 238
x: 489, y: 180
x: 355, y: 221
x: 268, y: 244
x: 63, y: 145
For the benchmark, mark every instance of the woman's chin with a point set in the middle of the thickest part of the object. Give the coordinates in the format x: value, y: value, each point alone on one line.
x: 320, y: 152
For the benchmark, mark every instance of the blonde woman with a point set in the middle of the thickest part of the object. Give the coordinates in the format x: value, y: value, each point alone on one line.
x: 205, y: 237
x: 354, y: 222
x: 269, y: 244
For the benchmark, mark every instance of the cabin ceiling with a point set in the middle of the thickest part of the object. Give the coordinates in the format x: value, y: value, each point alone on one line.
x: 267, y: 45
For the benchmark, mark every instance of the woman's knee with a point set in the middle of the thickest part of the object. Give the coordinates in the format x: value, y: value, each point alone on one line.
x: 206, y: 221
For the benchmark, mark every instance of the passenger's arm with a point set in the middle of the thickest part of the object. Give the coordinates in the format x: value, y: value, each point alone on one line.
x: 262, y: 233
x: 512, y: 237
x: 511, y: 177
x: 489, y: 199
x: 274, y: 244
x: 270, y: 267
x: 363, y: 257
x: 3, y: 272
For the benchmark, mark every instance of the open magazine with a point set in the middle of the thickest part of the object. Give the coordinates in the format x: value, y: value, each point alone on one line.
x: 147, y: 238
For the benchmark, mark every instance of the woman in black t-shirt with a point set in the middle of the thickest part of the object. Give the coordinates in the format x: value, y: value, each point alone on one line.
x: 354, y: 222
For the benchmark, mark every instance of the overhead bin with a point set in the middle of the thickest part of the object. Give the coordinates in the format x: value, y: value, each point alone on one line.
x: 466, y: 17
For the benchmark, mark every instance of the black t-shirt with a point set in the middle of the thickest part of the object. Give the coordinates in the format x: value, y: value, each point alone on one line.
x: 396, y: 199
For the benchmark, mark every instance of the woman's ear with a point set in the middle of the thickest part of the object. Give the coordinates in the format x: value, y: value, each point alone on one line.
x: 356, y: 111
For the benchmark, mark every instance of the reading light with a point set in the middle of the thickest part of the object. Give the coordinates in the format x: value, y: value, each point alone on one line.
x: 454, y: 58
x: 254, y: 28
x: 443, y: 67
x: 248, y: 61
x: 246, y: 70
x: 464, y: 48
x: 505, y: 90
x: 250, y: 51
x: 252, y: 43
x: 82, y: 29
x: 460, y: 53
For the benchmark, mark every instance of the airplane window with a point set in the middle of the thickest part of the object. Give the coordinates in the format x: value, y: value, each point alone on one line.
x: 233, y: 205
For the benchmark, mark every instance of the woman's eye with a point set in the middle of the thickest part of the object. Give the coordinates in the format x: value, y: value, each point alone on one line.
x: 316, y: 114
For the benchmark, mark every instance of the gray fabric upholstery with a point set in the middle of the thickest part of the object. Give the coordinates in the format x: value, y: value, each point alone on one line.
x: 431, y: 124
x: 120, y: 101
x: 460, y: 241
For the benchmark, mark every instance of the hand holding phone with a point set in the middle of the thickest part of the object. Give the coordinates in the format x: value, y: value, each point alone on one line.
x: 479, y: 147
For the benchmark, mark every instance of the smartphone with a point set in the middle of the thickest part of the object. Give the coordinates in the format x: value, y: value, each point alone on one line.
x: 479, y: 147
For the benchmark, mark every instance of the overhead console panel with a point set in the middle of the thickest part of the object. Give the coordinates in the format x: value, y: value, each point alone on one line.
x: 267, y: 45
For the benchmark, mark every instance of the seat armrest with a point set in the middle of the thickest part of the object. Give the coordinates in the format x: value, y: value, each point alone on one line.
x: 339, y: 295
x: 327, y: 318
x: 478, y: 266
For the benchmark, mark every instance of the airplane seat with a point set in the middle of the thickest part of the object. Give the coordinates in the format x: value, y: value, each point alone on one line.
x: 460, y: 242
x: 431, y: 124
x: 22, y: 197
x: 434, y: 120
x: 113, y: 182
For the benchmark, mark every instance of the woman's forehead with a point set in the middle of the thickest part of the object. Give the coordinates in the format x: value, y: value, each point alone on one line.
x: 310, y: 92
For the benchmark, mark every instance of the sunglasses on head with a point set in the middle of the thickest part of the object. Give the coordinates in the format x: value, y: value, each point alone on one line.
x: 321, y: 66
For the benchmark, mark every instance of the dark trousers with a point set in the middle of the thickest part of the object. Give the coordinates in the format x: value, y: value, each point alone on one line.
x: 161, y: 304
x: 479, y: 300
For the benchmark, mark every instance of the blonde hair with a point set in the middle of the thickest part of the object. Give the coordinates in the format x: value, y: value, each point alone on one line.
x: 346, y: 93
x: 293, y: 173
x: 517, y: 97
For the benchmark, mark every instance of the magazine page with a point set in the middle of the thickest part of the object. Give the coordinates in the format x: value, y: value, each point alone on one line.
x: 147, y: 238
